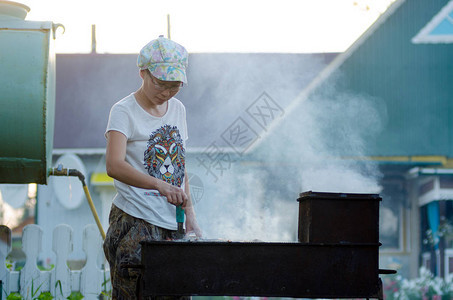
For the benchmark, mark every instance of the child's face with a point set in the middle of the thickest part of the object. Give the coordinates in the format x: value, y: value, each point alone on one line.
x: 159, y: 91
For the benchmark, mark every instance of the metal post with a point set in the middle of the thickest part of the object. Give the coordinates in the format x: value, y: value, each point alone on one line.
x: 168, y: 27
x: 93, y: 38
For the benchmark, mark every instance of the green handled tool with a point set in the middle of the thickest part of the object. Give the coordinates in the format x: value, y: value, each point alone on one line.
x: 180, y: 221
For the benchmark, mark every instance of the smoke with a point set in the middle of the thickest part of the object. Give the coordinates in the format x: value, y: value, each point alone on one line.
x: 320, y: 144
x: 340, y: 128
x: 242, y: 210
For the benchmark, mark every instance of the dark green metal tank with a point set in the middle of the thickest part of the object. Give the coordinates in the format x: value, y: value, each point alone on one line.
x: 27, y: 95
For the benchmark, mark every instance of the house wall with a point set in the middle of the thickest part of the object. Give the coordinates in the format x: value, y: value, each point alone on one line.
x: 405, y: 259
x: 410, y: 77
x: 415, y: 229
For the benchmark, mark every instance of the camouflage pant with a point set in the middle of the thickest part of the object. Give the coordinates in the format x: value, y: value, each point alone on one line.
x: 122, y: 249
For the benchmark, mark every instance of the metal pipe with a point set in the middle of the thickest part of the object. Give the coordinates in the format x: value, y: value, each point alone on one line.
x: 60, y: 171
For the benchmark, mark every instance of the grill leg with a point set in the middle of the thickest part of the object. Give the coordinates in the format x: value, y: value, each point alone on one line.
x: 381, y: 291
x: 139, y: 287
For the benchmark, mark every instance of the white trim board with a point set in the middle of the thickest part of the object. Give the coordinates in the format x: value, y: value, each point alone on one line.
x: 443, y: 18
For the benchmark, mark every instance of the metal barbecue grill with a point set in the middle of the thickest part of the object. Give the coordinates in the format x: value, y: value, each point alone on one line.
x: 336, y: 257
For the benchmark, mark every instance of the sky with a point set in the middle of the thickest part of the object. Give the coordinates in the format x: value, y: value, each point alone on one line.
x: 285, y: 26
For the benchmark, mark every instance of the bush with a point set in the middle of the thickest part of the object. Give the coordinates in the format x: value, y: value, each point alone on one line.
x: 425, y: 287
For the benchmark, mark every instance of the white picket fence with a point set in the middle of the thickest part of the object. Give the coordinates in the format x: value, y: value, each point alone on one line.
x: 60, y: 281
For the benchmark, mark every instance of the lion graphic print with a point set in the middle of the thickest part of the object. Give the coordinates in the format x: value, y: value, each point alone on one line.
x: 165, y: 155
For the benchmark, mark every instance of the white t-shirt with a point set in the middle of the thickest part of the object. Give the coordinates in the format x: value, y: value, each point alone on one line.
x: 155, y: 146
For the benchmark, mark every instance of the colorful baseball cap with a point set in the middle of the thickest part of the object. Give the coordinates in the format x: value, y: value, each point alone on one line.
x: 165, y: 59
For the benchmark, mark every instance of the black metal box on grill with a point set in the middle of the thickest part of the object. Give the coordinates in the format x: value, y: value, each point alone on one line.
x: 338, y: 218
